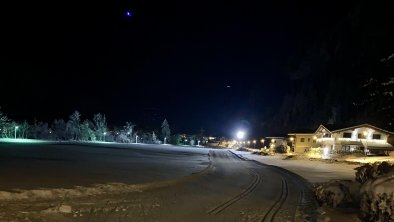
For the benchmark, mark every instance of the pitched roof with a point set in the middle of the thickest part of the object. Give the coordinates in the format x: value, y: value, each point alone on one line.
x: 335, y: 128
x: 363, y: 125
x: 321, y: 125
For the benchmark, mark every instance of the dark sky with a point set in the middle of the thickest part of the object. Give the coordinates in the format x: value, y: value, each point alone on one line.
x: 171, y: 59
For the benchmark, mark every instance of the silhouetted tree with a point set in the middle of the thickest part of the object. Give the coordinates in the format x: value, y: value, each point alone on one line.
x: 165, y: 130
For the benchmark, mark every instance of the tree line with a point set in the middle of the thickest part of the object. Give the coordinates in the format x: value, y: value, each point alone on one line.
x: 77, y: 129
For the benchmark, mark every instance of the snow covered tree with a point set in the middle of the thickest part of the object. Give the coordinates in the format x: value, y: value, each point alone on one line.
x: 74, y: 125
x: 154, y: 138
x: 23, y: 129
x: 129, y: 129
x: 3, y: 124
x: 39, y: 130
x: 165, y: 130
x: 122, y: 136
x: 86, y: 131
x: 8, y: 130
x: 59, y: 129
x: 100, y: 125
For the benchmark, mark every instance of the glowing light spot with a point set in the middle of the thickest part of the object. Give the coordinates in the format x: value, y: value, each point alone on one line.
x: 129, y: 14
x: 240, y: 135
x: 326, y: 151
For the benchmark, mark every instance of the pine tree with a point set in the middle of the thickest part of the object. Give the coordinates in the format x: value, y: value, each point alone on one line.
x: 74, y: 125
x: 100, y: 125
x: 165, y: 130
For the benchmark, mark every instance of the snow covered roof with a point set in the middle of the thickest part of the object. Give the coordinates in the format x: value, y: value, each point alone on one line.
x: 363, y: 125
x: 333, y: 128
x: 379, y: 146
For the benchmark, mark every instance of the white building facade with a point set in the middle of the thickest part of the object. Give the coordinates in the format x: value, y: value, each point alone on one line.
x: 362, y: 138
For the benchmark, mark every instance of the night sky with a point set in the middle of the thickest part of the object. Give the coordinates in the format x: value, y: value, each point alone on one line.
x: 200, y: 64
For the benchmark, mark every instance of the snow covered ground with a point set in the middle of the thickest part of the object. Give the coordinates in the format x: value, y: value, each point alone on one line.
x: 314, y: 171
x: 52, y: 181
x: 120, y: 182
x: 32, y: 165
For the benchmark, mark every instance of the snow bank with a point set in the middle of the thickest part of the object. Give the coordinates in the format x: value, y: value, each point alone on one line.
x: 368, y: 171
x: 377, y: 201
x: 68, y: 193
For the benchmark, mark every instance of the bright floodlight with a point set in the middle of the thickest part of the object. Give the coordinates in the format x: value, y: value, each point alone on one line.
x: 240, y: 134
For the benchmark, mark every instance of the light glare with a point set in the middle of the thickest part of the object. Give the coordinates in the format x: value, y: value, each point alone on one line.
x: 240, y: 134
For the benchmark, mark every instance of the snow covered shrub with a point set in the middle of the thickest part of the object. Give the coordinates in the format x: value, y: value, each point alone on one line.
x: 377, y: 202
x: 281, y: 149
x: 368, y: 171
x: 336, y: 192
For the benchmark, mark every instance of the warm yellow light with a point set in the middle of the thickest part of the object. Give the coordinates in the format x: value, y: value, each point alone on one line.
x: 314, y: 137
x: 291, y: 139
x: 254, y: 141
x: 262, y: 140
x: 248, y: 142
x: 365, y: 133
x: 273, y: 140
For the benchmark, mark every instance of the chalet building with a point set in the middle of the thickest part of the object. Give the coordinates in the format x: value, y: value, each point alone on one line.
x: 276, y: 142
x: 302, y: 141
x: 362, y: 138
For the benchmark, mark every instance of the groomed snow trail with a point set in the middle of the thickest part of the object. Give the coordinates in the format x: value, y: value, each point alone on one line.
x: 229, y: 188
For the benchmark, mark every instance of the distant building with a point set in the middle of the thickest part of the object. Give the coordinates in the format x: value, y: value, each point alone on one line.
x: 361, y: 138
x: 302, y: 141
x: 276, y: 142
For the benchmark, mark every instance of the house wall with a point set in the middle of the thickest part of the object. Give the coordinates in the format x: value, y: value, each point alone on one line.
x: 338, y: 142
x: 303, y: 142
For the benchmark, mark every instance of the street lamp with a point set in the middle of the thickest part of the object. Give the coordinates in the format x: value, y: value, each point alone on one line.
x: 16, y: 128
x: 104, y: 136
x: 254, y: 144
x: 240, y: 135
x: 165, y: 140
x: 292, y: 143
